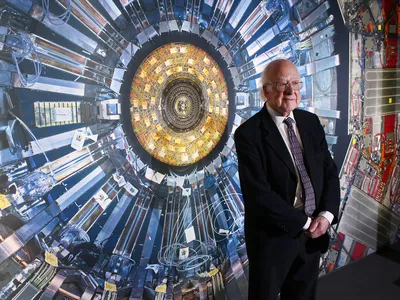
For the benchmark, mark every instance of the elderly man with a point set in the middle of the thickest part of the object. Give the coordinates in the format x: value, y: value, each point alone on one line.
x: 290, y: 187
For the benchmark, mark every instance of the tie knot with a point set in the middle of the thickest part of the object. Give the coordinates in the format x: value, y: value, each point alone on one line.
x: 289, y: 122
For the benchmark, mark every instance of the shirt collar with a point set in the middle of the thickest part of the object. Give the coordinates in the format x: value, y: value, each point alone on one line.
x: 277, y: 117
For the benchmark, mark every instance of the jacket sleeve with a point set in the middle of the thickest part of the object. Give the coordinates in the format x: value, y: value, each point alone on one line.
x: 258, y: 195
x: 330, y: 198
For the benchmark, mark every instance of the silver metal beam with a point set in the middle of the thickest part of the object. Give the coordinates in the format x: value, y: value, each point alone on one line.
x: 311, y: 18
x: 19, y: 238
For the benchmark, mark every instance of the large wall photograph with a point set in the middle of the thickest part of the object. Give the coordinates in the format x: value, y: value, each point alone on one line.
x: 118, y: 167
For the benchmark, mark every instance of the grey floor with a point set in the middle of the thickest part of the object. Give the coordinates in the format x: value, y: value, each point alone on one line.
x: 375, y: 277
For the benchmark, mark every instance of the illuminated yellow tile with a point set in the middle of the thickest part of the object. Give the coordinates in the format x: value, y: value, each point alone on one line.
x: 167, y: 137
x: 142, y: 74
x: 205, y: 71
x: 178, y: 140
x: 216, y: 96
x: 153, y: 61
x: 207, y: 135
x: 137, y: 116
x: 209, y: 145
x: 206, y: 60
x: 162, y: 152
x: 160, y: 80
x: 390, y: 100
x: 154, y: 116
x: 147, y: 88
x: 171, y: 148
x: 213, y: 84
x: 210, y: 109
x: 201, y: 78
x: 135, y: 103
x: 200, y: 143
x: 214, y: 70
x: 191, y: 71
x: 151, y: 146
x: 153, y: 100
x: 182, y: 149
x: 191, y: 138
x: 159, y: 127
x: 158, y: 69
x: 195, y: 155
x: 168, y: 62
x: 147, y: 122
x: 183, y: 49
x: 190, y: 61
x: 173, y: 50
x: 209, y: 91
x: 184, y: 158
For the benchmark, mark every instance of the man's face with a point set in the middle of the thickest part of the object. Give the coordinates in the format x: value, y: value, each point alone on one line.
x: 286, y: 101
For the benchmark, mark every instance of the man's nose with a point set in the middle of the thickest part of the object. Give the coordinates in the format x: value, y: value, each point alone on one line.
x: 289, y: 89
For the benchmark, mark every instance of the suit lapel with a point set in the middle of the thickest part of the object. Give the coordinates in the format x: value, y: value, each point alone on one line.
x: 274, y: 139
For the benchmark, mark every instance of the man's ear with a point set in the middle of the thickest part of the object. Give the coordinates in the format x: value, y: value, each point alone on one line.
x: 265, y: 92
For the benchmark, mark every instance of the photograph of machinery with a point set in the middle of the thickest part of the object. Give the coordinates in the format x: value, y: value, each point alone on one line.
x: 118, y: 168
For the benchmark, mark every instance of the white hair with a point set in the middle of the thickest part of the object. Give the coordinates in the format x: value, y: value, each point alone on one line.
x: 264, y: 81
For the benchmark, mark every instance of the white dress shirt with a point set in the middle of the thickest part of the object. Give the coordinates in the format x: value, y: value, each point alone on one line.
x: 298, y: 201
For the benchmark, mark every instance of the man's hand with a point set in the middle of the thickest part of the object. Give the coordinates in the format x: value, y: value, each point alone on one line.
x: 318, y: 227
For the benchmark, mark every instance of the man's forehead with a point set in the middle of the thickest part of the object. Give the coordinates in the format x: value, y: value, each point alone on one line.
x: 281, y: 70
x: 287, y: 78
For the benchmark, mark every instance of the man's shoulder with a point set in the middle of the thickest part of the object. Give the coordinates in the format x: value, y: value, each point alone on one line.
x: 250, y: 126
x: 304, y: 113
x: 305, y: 117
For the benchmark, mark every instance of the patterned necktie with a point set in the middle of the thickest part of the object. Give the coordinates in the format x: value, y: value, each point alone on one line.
x: 309, y: 195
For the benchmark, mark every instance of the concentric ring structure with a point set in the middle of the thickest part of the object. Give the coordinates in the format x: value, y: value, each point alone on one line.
x: 179, y: 104
x: 118, y: 167
x: 182, y: 105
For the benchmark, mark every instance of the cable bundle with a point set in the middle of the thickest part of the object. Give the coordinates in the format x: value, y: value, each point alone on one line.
x: 304, y: 45
x: 60, y: 19
x: 18, y: 56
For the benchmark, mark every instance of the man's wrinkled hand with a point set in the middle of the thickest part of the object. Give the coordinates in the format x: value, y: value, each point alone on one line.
x: 318, y: 227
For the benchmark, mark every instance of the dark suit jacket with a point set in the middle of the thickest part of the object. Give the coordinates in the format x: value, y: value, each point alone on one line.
x: 268, y: 181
